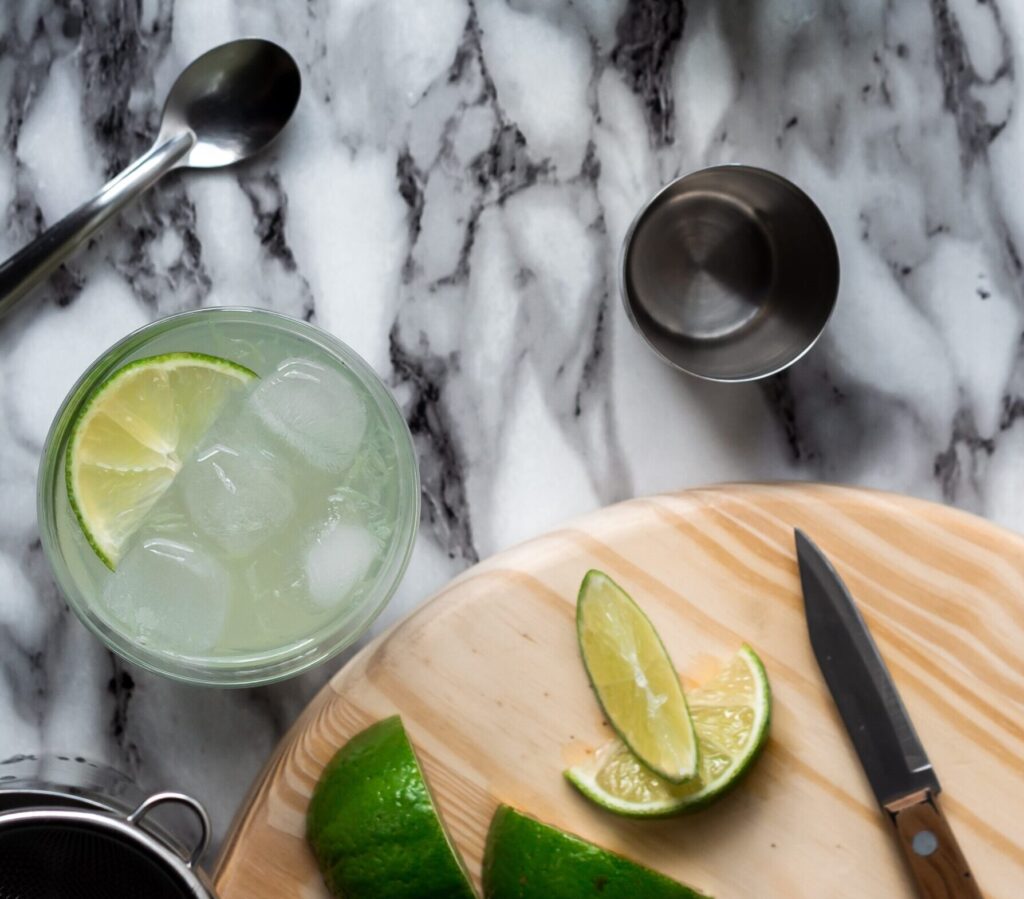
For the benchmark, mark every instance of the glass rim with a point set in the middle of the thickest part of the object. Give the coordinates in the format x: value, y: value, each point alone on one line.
x: 302, y: 654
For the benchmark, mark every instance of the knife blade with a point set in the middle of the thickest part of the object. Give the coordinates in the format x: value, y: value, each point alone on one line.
x: 878, y: 724
x: 883, y: 736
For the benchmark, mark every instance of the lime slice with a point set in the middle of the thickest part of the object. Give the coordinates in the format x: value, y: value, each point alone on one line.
x: 373, y: 826
x: 131, y: 438
x: 731, y: 713
x: 634, y: 679
x: 526, y: 859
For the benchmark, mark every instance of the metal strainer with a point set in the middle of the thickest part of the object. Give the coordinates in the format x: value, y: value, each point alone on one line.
x: 90, y: 849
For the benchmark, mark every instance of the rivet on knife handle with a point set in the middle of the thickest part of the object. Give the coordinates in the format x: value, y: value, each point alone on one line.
x: 936, y: 862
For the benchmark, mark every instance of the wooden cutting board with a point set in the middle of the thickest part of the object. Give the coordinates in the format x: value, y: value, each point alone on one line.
x: 488, y: 680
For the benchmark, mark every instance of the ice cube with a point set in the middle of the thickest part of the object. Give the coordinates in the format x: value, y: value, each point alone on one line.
x: 275, y: 588
x: 340, y: 557
x: 236, y: 494
x: 170, y: 594
x: 315, y: 410
x: 347, y: 503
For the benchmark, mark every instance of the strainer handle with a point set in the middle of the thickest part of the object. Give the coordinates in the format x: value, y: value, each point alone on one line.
x: 156, y: 799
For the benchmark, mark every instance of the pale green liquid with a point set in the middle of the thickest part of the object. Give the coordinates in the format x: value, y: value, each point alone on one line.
x: 280, y: 587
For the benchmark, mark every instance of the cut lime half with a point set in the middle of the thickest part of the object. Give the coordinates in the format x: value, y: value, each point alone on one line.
x: 373, y: 825
x: 634, y: 679
x: 526, y: 859
x: 731, y: 713
x: 132, y: 437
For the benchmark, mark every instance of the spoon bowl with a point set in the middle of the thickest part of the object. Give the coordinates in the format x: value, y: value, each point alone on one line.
x: 235, y: 99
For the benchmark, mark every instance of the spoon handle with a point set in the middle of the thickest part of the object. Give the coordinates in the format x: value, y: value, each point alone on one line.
x: 33, y: 263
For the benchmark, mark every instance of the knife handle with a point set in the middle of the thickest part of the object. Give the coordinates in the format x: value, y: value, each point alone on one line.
x: 939, y: 868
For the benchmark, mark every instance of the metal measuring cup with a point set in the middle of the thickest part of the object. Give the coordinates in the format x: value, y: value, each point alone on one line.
x: 730, y: 273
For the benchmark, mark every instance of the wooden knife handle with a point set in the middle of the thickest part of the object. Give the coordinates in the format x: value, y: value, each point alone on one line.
x: 936, y: 862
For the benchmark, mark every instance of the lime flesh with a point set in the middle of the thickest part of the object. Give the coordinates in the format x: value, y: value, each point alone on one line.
x: 731, y: 713
x: 634, y: 679
x: 526, y: 859
x: 132, y: 437
x: 373, y: 826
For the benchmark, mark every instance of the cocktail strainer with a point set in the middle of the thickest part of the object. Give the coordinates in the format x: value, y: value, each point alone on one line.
x: 67, y: 841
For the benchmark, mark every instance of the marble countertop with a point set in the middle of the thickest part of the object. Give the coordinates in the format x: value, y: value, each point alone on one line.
x: 449, y: 200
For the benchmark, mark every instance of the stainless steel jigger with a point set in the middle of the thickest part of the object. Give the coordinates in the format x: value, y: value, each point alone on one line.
x: 730, y: 273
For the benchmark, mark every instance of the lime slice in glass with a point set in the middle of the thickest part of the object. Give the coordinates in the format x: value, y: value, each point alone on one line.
x: 634, y: 679
x: 731, y: 713
x: 132, y: 437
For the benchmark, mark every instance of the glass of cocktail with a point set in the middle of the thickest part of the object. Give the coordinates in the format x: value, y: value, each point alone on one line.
x: 228, y: 496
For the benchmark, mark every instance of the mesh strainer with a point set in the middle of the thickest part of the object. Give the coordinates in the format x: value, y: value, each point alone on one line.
x: 80, y: 853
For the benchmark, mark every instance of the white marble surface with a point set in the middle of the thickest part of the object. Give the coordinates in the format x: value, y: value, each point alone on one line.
x: 449, y: 200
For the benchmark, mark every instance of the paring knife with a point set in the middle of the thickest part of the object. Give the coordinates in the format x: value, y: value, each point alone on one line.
x: 893, y: 758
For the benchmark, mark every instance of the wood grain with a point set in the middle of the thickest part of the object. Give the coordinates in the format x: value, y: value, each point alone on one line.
x: 488, y: 681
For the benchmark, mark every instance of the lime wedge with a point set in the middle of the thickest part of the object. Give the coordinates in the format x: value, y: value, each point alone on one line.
x: 131, y: 439
x: 731, y: 713
x: 526, y: 859
x: 373, y: 827
x: 634, y: 679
